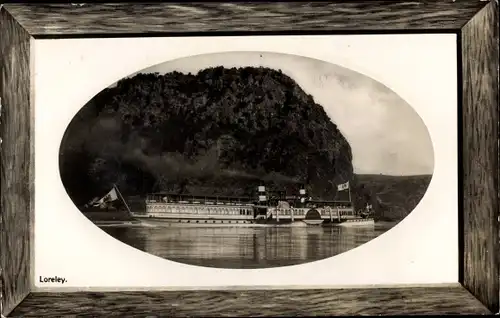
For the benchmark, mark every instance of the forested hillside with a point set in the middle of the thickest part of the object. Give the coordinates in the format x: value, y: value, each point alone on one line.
x: 220, y: 131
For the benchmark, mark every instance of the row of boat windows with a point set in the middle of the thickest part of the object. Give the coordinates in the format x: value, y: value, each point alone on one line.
x: 208, y: 221
x: 198, y: 202
x: 191, y: 210
x: 355, y: 220
x: 302, y: 212
x: 289, y: 211
x: 228, y: 211
x: 226, y: 204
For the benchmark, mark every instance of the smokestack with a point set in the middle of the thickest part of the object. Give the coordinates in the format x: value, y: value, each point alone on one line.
x: 303, y: 194
x: 261, y: 192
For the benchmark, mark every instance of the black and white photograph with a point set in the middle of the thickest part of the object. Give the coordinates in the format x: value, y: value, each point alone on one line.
x: 249, y: 159
x: 246, y: 159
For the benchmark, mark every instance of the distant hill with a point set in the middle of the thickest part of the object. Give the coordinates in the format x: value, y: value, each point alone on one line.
x: 395, y: 196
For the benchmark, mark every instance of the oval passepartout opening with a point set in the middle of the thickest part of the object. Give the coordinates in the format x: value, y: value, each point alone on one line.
x: 246, y: 160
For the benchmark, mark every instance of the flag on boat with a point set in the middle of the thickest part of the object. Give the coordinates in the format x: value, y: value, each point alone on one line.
x: 343, y: 186
x: 109, y: 197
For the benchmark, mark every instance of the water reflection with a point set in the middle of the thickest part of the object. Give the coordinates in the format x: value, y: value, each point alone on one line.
x: 239, y: 247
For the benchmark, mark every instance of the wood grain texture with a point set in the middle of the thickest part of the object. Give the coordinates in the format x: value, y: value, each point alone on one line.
x: 66, y: 19
x: 16, y: 163
x: 480, y: 155
x: 480, y: 158
x: 273, y: 303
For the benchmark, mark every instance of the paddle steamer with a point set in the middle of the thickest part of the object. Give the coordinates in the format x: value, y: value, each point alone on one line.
x: 263, y: 209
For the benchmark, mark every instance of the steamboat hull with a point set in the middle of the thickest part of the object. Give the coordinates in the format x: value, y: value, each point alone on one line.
x: 184, y: 222
x: 215, y: 212
x: 192, y: 222
x: 359, y: 222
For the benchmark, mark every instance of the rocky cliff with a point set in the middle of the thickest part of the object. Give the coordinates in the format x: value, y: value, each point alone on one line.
x: 221, y: 131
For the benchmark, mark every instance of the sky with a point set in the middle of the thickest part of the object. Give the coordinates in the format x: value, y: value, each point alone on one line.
x: 386, y: 134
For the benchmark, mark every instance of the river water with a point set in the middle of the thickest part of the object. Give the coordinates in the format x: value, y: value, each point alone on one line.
x: 246, y: 247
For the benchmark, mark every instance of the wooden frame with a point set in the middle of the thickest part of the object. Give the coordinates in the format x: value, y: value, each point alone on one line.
x: 476, y: 24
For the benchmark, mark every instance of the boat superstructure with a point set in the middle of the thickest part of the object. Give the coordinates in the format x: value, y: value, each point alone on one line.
x: 198, y: 209
x: 265, y: 208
